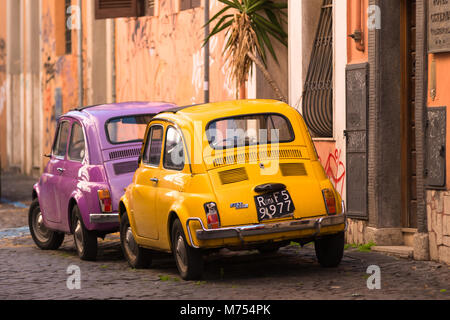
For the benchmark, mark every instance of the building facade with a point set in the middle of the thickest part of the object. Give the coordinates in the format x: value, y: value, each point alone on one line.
x: 362, y: 72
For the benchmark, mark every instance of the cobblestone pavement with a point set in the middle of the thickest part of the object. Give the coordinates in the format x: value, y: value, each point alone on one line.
x: 29, y: 273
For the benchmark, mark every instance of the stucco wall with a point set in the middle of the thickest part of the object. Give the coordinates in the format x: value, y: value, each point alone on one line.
x: 161, y: 58
x: 3, y: 83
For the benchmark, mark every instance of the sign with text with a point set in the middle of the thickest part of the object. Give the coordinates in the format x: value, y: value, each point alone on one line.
x: 438, y: 26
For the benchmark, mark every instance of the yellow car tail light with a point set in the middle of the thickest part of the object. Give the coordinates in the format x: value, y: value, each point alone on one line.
x: 212, y: 215
x: 330, y: 201
x: 104, y: 198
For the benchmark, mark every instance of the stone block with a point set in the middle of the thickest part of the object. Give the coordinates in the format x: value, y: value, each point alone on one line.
x: 444, y: 254
x: 446, y: 241
x: 384, y: 237
x: 434, y: 253
x: 421, y: 247
x: 439, y: 202
x: 447, y: 204
x: 446, y: 225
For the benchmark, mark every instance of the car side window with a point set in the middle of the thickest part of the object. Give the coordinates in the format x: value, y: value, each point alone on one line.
x: 77, y: 145
x: 60, y: 146
x: 152, y: 154
x: 173, y: 150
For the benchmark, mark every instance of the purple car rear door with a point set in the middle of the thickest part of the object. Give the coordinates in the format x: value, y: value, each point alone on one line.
x: 52, y: 177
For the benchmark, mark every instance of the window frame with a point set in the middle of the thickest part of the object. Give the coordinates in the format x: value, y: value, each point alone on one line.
x: 291, y: 129
x: 147, y: 141
x: 75, y: 122
x: 165, y: 148
x: 125, y: 116
x: 58, y: 131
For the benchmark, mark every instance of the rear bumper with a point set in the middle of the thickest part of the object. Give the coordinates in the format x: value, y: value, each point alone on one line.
x: 241, y: 232
x: 104, y: 217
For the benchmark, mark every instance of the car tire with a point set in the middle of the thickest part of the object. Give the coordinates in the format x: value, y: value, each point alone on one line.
x: 85, y: 241
x: 189, y: 260
x: 137, y: 257
x: 44, y: 238
x: 269, y: 248
x: 330, y: 250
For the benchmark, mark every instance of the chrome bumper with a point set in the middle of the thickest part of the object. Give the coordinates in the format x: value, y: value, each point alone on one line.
x: 263, y: 229
x: 104, y: 217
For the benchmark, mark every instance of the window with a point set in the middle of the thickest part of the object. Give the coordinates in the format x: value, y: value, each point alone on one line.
x: 60, y: 145
x: 152, y: 153
x: 68, y: 34
x: 127, y: 129
x: 105, y: 9
x: 189, y: 4
x: 249, y: 130
x: 77, y: 146
x: 173, y: 150
x: 318, y: 89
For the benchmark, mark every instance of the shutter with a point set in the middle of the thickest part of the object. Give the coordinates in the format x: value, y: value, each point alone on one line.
x: 105, y: 9
x: 318, y: 89
x: 189, y: 4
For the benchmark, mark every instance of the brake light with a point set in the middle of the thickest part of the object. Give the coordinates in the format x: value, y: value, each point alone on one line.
x: 212, y: 215
x: 105, y: 200
x: 330, y: 201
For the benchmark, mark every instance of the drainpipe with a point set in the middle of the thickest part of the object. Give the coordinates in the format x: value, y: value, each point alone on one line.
x: 80, y: 57
x: 113, y: 73
x: 206, y: 62
x: 358, y: 34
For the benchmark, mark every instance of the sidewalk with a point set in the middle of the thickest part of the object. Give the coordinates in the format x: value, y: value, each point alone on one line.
x: 15, y: 199
x: 16, y: 188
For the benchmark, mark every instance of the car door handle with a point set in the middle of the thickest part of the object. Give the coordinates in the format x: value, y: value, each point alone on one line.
x: 60, y: 170
x: 155, y: 180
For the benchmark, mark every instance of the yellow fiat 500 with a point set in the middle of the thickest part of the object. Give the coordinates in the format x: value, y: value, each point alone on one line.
x: 236, y: 175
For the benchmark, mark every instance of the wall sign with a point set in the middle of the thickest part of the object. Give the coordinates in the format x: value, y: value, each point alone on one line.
x: 438, y: 26
x: 436, y: 132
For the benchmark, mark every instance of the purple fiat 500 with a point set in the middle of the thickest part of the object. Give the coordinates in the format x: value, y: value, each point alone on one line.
x: 94, y: 157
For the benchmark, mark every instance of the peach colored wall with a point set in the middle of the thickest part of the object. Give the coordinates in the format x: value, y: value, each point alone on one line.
x: 161, y: 58
x: 57, y: 72
x: 355, y: 56
x: 3, y: 158
x: 442, y: 93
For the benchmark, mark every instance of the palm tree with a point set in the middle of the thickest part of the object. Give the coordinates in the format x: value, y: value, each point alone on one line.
x: 250, y: 25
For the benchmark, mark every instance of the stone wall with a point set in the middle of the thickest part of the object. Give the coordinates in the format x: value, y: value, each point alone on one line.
x: 438, y: 214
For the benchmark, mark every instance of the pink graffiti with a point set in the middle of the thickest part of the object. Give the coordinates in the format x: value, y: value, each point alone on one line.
x: 335, y: 170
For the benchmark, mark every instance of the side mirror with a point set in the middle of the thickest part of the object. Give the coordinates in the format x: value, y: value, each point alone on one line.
x: 48, y: 155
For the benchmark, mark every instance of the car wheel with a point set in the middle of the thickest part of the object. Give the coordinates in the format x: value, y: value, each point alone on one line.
x: 44, y: 238
x: 85, y: 240
x: 137, y: 257
x: 330, y: 250
x: 189, y: 260
x: 269, y: 248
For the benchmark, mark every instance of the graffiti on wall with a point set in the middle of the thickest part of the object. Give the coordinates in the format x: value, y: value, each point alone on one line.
x: 335, y: 169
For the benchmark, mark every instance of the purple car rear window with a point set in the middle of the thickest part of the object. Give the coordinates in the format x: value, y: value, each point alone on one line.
x: 127, y: 128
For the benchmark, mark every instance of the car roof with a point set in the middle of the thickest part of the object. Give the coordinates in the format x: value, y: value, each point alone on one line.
x: 212, y: 111
x: 124, y: 108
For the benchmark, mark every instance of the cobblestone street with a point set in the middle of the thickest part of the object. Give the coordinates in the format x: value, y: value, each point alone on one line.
x: 27, y: 272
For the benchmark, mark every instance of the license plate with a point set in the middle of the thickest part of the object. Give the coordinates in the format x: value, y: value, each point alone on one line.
x: 274, y: 205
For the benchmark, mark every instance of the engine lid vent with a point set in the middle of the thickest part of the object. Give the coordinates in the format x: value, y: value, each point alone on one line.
x: 126, y: 153
x: 293, y: 169
x: 233, y: 176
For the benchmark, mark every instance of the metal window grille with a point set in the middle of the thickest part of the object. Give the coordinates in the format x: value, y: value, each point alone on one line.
x: 318, y: 89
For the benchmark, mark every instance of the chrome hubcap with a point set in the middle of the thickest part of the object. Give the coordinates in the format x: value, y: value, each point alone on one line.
x: 180, y: 252
x: 41, y: 232
x: 130, y: 245
x: 79, y: 236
